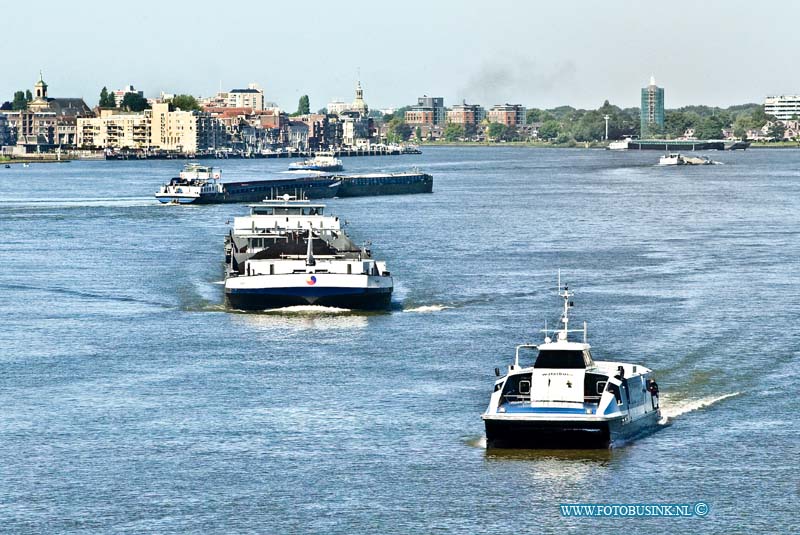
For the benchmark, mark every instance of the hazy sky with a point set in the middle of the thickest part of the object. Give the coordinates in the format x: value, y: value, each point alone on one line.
x: 535, y: 53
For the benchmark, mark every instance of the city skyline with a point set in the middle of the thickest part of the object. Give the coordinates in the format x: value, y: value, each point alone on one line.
x: 579, y: 54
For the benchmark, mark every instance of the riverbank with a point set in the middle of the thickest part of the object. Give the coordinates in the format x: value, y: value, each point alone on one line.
x: 5, y: 160
x: 537, y: 144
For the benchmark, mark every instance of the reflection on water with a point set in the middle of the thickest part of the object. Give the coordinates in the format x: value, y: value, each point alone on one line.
x: 557, y: 468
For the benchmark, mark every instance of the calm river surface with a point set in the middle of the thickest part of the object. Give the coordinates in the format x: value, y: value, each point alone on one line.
x: 132, y: 401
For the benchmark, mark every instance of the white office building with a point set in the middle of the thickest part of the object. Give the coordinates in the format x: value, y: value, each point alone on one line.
x: 783, y: 107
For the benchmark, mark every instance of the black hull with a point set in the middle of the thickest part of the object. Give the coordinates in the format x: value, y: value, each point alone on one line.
x: 257, y: 191
x: 522, y: 434
x: 364, y: 300
x: 384, y: 185
x: 675, y: 145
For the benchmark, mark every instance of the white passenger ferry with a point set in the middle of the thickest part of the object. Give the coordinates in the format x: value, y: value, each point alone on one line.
x: 288, y: 252
x: 566, y: 399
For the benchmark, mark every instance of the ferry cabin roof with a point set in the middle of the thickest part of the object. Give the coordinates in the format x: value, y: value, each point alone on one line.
x: 283, y: 209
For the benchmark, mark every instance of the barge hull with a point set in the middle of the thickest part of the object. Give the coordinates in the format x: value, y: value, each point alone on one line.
x: 364, y: 186
x: 351, y: 298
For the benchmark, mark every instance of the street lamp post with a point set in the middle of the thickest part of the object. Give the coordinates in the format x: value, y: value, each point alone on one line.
x: 606, y: 117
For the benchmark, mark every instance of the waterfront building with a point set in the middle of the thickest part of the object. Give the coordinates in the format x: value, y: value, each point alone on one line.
x: 119, y: 94
x: 356, y: 129
x: 512, y: 115
x: 466, y: 115
x: 173, y: 130
x: 114, y: 130
x: 337, y: 106
x: 250, y: 97
x: 420, y: 117
x: 652, y: 110
x: 47, y: 123
x: 5, y: 131
x: 782, y: 107
x: 429, y: 111
x: 158, y: 128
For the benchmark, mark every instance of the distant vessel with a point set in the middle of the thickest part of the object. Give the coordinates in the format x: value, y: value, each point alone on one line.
x: 326, y: 162
x: 201, y: 184
x: 287, y: 253
x: 686, y: 144
x: 568, y: 400
x: 619, y: 145
x: 675, y: 158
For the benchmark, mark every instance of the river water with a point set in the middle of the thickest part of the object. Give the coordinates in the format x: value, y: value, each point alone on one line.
x: 133, y: 401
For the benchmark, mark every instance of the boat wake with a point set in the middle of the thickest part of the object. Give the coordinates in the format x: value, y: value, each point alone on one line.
x: 307, y: 309
x: 679, y: 408
x: 475, y: 442
x: 427, y: 309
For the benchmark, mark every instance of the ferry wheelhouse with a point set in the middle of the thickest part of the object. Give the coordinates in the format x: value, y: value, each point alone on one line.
x: 191, y: 184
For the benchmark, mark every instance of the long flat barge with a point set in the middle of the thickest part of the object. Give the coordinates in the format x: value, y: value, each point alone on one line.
x: 674, y: 145
x: 198, y: 184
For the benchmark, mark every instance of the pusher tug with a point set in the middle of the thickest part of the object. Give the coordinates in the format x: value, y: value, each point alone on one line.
x: 568, y: 400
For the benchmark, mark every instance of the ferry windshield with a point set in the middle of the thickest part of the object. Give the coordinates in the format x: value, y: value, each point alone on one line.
x: 291, y: 210
x: 552, y: 358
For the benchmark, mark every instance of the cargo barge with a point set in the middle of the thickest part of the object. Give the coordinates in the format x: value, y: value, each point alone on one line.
x: 201, y: 184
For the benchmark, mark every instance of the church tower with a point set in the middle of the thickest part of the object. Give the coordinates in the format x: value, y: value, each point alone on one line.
x: 359, y: 105
x: 39, y: 102
x: 40, y: 89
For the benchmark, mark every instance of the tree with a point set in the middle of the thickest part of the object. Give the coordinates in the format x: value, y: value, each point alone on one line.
x: 107, y: 99
x: 453, y: 132
x: 776, y: 130
x: 28, y: 95
x: 549, y: 130
x: 710, y: 128
x: 186, y: 103
x: 759, y: 117
x: 398, y: 130
x: 6, y: 106
x: 134, y: 102
x: 303, y: 106
x: 323, y: 111
x: 418, y: 134
x: 495, y: 131
x: 19, y: 101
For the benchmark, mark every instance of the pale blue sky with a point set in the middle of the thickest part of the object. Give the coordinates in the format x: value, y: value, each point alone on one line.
x: 535, y: 53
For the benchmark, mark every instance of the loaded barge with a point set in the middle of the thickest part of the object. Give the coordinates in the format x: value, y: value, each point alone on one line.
x: 200, y: 184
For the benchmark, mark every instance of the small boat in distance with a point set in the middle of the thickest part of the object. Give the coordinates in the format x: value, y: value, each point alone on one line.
x: 566, y: 399
x: 675, y: 158
x: 619, y: 144
x: 322, y: 161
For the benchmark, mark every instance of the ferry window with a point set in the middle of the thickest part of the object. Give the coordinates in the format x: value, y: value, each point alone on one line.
x: 525, y: 387
x: 601, y: 387
x: 550, y: 358
x: 614, y: 389
x: 513, y: 388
